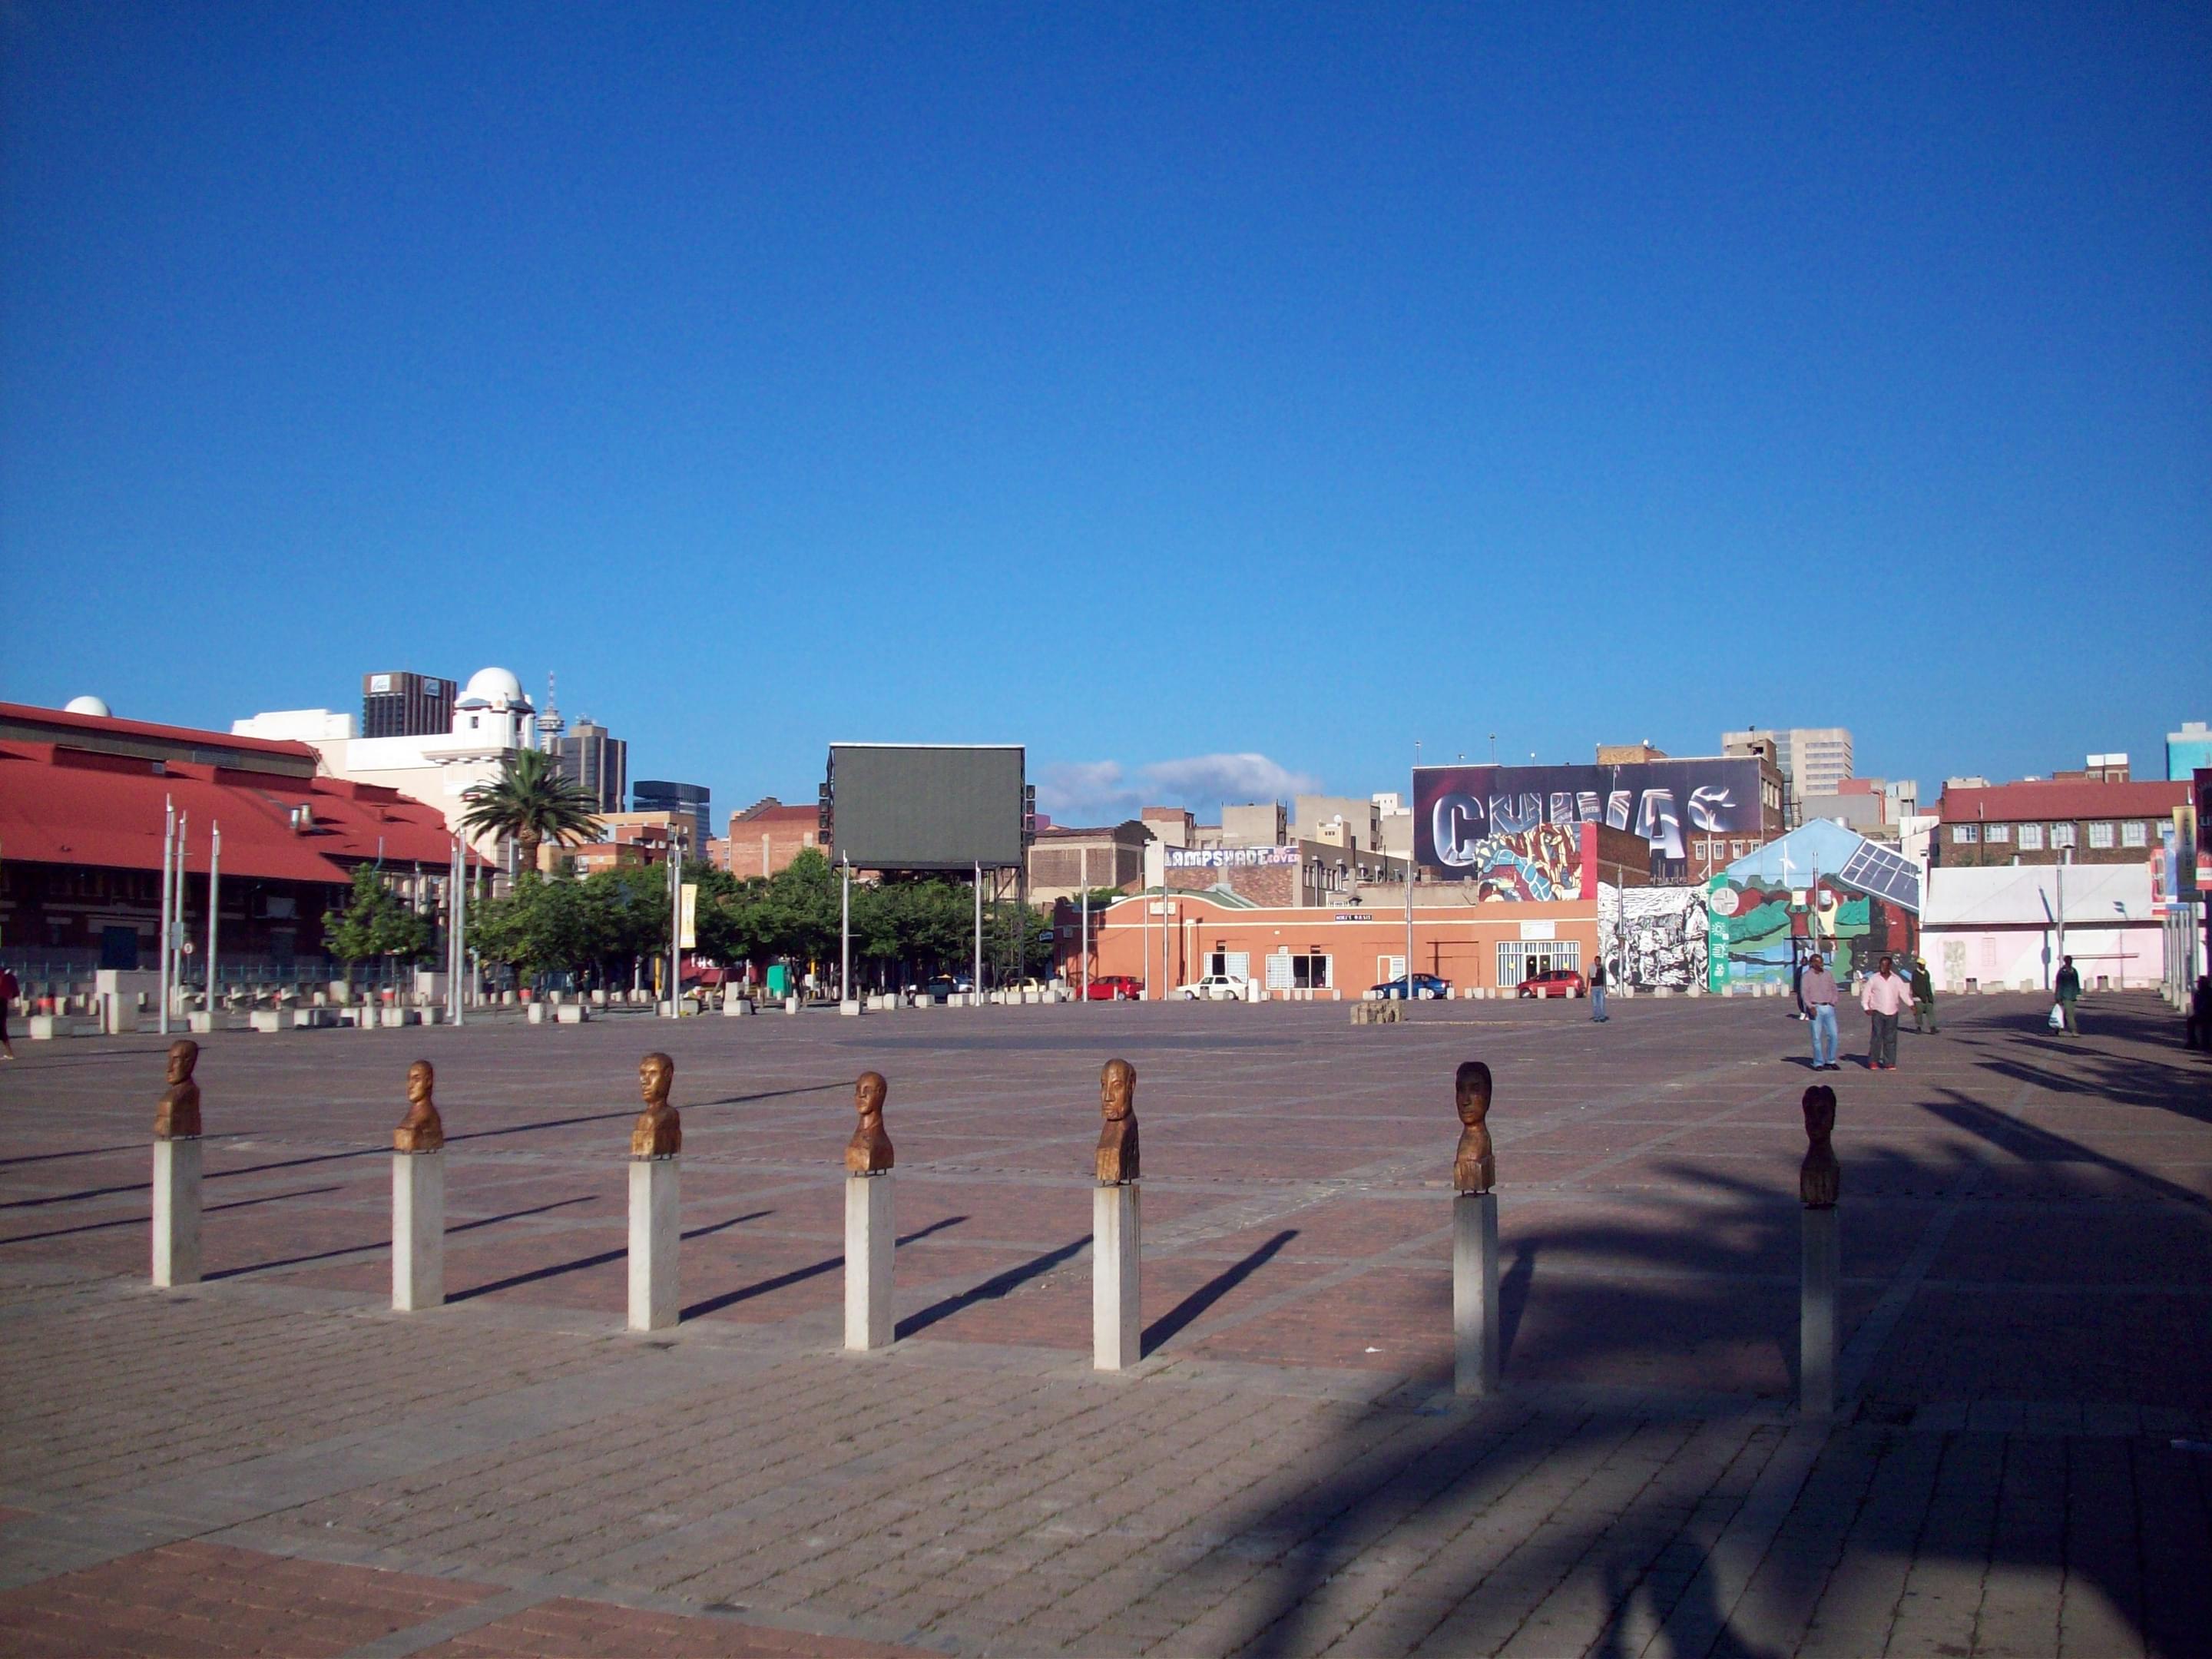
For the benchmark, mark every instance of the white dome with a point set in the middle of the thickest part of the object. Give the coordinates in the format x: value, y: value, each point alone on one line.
x: 95, y: 707
x: 494, y: 685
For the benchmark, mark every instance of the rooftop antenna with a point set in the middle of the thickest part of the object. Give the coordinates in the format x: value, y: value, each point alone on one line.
x: 550, y: 726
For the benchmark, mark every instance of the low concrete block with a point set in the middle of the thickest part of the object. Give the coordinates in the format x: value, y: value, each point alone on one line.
x: 571, y: 1013
x: 537, y: 1013
x: 266, y: 1019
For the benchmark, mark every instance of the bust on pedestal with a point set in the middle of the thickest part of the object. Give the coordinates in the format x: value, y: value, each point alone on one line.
x: 177, y: 1171
x: 1116, y: 1250
x: 655, y: 1140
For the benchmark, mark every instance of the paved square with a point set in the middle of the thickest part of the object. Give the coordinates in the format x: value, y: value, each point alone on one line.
x: 275, y: 1461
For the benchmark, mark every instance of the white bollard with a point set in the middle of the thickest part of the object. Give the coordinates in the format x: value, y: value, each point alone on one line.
x: 868, y: 1240
x: 1816, y: 1316
x: 176, y: 1211
x: 653, y: 1241
x: 1116, y: 1327
x: 418, y: 1230
x: 1475, y: 1324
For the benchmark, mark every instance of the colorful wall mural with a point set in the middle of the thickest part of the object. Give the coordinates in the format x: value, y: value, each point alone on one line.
x: 1654, y: 937
x: 1548, y: 862
x: 1821, y: 887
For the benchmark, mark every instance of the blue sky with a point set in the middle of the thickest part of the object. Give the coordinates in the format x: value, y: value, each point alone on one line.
x: 1147, y: 385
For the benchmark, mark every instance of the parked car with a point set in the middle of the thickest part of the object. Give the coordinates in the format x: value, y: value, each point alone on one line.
x: 1216, y: 987
x: 1117, y: 988
x: 1558, y: 982
x: 1427, y: 987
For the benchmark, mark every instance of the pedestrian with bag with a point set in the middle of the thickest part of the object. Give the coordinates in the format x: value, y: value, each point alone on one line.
x: 1885, y: 998
x: 1818, y: 987
x: 2067, y: 985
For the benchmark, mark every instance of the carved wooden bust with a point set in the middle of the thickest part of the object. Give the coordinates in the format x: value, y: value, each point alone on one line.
x: 1474, y: 1167
x: 177, y: 1116
x: 1820, y: 1178
x: 422, y: 1130
x: 1117, y: 1138
x: 658, y: 1132
x: 869, y: 1151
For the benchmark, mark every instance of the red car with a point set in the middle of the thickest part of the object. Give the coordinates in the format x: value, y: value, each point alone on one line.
x: 1560, y: 983
x: 1117, y: 988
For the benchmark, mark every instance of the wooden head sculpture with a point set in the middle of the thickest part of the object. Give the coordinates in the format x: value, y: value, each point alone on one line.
x: 1117, y: 1138
x: 177, y: 1116
x: 658, y: 1132
x: 869, y: 1151
x: 422, y: 1130
x: 1474, y: 1167
x: 1820, y: 1178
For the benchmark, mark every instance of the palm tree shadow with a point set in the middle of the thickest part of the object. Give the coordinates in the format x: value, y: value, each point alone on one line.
x: 799, y: 1275
x: 600, y: 1260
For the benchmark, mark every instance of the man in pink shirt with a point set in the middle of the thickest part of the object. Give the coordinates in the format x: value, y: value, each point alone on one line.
x: 1888, y: 994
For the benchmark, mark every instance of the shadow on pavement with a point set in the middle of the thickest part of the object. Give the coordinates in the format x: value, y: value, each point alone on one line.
x: 798, y: 1275
x: 991, y: 1288
x: 536, y: 1274
x: 1161, y: 1329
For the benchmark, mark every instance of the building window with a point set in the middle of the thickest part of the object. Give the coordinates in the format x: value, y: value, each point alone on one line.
x: 1997, y: 832
x: 2062, y: 835
x: 1965, y: 835
x: 2100, y: 835
x: 2031, y: 838
x: 2134, y: 834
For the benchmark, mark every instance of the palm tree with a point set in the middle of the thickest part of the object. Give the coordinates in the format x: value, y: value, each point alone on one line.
x: 531, y: 803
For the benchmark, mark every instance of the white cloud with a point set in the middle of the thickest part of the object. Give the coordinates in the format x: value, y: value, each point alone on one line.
x: 1102, y: 792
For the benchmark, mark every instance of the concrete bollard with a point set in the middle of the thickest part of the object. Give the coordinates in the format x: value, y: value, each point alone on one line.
x: 656, y: 1139
x: 868, y: 1239
x: 176, y: 1211
x: 1474, y: 1293
x: 1816, y: 1315
x: 653, y: 1242
x: 418, y: 1230
x: 1116, y: 1249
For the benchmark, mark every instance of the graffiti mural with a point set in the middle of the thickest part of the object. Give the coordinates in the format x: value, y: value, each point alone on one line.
x: 1543, y: 863
x: 1822, y: 888
x: 1654, y: 936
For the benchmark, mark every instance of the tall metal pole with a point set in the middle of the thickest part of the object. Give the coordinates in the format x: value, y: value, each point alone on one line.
x: 1086, y: 946
x: 1409, y: 886
x: 175, y: 928
x: 845, y: 940
x: 975, y: 995
x: 168, y: 868
x: 2061, y: 868
x: 214, y: 910
x: 675, y: 929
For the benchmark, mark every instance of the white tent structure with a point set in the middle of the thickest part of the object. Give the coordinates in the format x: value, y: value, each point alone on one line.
x: 1999, y: 928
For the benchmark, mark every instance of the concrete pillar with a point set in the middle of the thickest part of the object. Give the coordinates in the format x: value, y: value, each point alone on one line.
x: 176, y: 1211
x: 418, y: 1230
x: 868, y: 1240
x: 1816, y: 1316
x: 1116, y: 1327
x: 654, y: 1241
x: 1476, y: 1346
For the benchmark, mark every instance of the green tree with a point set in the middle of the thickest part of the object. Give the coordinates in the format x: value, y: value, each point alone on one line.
x: 531, y: 803
x: 375, y: 923
x: 544, y: 926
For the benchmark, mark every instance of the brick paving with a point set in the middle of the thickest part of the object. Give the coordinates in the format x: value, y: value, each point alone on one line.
x: 275, y: 1461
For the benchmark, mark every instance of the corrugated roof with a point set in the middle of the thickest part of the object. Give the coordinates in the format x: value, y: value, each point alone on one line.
x: 2061, y: 802
x: 60, y: 805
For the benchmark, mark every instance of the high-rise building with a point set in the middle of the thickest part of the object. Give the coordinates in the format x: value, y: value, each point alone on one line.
x: 402, y: 705
x: 689, y: 801
x: 1813, y: 759
x: 587, y: 755
x: 2187, y: 750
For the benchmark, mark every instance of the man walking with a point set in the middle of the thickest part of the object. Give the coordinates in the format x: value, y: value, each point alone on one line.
x: 1818, y: 987
x: 1924, y: 997
x: 1884, y: 1000
x: 2197, y: 1029
x: 2068, y: 985
x: 1597, y: 991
